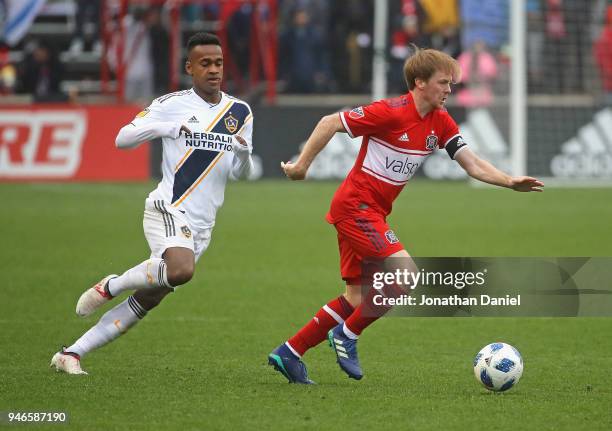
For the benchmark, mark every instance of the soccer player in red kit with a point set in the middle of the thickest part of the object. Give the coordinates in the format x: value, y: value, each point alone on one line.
x: 398, y: 135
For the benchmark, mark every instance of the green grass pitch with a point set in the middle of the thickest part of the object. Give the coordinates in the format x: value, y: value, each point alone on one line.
x: 199, y: 360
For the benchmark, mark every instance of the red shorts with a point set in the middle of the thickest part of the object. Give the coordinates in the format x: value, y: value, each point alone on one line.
x: 366, y: 235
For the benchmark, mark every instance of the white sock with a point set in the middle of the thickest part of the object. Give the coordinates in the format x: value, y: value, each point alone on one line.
x: 349, y: 333
x: 149, y: 274
x: 112, y: 324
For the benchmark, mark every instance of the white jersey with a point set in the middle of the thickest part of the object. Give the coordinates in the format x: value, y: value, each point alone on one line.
x: 195, y: 166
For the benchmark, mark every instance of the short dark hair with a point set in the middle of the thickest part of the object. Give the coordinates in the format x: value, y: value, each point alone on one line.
x: 202, y: 38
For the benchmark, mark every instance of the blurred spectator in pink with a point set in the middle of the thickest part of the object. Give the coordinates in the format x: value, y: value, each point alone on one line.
x: 478, y: 71
x: 602, y: 49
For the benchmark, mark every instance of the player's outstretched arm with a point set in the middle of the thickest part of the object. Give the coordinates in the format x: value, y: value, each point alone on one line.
x: 132, y: 135
x: 484, y: 171
x: 322, y: 133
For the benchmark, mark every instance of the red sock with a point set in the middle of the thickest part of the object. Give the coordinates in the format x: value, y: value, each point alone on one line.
x: 367, y: 312
x: 315, y: 331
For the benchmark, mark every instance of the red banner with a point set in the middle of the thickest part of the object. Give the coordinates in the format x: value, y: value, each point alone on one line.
x: 67, y: 143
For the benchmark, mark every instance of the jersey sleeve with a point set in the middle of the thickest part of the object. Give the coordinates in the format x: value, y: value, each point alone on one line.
x: 151, y: 114
x: 451, y: 139
x: 148, y: 124
x: 367, y: 120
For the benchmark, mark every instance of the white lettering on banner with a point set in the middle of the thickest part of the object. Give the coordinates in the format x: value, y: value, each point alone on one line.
x: 392, y: 164
x: 589, y: 153
x: 41, y: 144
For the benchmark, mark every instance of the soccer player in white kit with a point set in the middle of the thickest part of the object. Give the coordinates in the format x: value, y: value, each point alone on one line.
x: 207, y: 137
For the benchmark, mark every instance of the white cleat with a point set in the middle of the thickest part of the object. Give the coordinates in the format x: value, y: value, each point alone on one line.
x: 94, y: 297
x: 69, y: 364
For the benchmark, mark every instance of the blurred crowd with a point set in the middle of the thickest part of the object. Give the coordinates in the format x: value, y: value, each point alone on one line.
x: 326, y: 46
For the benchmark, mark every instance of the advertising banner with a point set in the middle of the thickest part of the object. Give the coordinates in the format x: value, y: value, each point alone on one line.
x: 67, y: 143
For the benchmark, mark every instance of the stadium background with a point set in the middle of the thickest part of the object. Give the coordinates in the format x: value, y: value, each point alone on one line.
x: 198, y: 362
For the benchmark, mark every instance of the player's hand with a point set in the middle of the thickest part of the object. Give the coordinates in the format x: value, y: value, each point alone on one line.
x: 526, y: 184
x: 242, y: 146
x: 241, y: 140
x: 293, y: 171
x: 185, y: 130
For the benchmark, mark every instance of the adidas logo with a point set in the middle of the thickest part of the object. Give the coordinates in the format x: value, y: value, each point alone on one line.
x: 193, y: 120
x: 589, y: 152
x: 404, y: 137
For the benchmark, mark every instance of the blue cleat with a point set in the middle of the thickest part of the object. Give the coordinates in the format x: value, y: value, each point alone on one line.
x: 346, y: 352
x: 289, y: 365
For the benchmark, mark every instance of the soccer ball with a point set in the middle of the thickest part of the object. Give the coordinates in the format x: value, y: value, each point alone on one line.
x: 498, y: 366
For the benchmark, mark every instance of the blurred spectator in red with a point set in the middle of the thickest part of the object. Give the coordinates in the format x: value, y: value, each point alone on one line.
x: 402, y: 41
x: 41, y: 73
x: 8, y: 73
x: 137, y: 58
x: 602, y: 50
x: 478, y: 71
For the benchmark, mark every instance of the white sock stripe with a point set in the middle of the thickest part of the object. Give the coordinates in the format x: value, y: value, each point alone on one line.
x: 333, y: 314
x: 349, y: 333
x: 136, y: 307
x: 163, y: 275
x: 292, y: 350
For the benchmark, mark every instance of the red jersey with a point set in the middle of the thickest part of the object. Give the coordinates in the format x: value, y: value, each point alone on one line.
x: 396, y: 142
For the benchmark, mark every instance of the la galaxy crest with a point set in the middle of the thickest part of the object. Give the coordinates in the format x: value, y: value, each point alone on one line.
x: 231, y: 124
x: 186, y: 231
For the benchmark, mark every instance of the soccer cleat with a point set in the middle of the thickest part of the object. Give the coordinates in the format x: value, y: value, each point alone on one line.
x: 284, y: 361
x: 346, y: 352
x: 69, y: 363
x: 94, y: 297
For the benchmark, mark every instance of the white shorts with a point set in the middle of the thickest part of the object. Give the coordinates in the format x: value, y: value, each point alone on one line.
x: 165, y: 227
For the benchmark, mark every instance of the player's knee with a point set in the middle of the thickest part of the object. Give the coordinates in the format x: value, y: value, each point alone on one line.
x: 180, y: 274
x: 353, y: 295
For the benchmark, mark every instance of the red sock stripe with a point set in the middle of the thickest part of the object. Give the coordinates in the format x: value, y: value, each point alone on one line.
x: 315, y: 331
